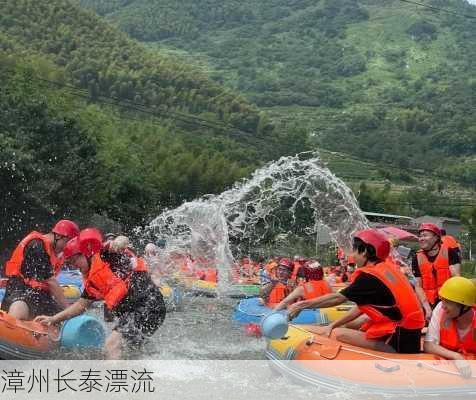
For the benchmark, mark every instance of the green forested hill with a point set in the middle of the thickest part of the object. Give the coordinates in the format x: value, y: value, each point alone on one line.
x: 92, y: 122
x: 101, y: 59
x: 380, y: 79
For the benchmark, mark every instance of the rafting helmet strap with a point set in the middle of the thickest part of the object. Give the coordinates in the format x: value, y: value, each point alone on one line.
x: 463, y: 310
x: 56, y: 238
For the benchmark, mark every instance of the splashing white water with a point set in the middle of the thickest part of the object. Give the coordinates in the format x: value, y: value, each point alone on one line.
x: 294, y: 194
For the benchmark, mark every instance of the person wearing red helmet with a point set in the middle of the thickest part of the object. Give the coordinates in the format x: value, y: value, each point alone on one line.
x: 311, y: 285
x: 32, y: 288
x: 393, y: 315
x: 112, y: 275
x: 275, y: 290
x: 433, y: 265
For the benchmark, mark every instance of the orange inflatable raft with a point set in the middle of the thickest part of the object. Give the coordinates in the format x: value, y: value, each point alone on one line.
x: 27, y: 340
x: 334, y: 367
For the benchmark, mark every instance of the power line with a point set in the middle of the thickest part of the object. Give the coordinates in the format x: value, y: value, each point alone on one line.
x: 434, y: 8
x: 181, y: 117
x: 187, y: 119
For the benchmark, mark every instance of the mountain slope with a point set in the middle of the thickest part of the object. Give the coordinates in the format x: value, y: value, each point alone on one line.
x: 93, y: 125
x: 104, y: 61
x: 383, y: 80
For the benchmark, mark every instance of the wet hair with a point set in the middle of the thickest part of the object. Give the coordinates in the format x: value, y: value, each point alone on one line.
x: 360, y: 246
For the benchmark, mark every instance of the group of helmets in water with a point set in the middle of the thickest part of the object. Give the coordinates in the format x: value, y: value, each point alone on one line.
x: 457, y: 289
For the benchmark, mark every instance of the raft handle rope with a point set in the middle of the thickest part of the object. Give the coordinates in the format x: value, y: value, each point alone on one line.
x: 420, y: 364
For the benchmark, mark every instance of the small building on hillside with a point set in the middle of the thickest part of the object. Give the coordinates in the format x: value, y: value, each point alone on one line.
x: 452, y: 226
x: 379, y: 220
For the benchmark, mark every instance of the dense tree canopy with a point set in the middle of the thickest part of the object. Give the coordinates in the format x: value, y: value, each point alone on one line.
x: 382, y: 80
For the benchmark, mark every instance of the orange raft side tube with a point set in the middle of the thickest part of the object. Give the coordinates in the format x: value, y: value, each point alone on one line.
x: 310, y: 358
x: 25, y: 339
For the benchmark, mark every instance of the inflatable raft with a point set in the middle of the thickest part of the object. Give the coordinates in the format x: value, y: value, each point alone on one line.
x: 252, y: 311
x: 30, y: 340
x: 72, y: 283
x: 172, y: 297
x: 309, y: 358
x: 198, y: 287
x: 71, y: 278
x: 71, y: 290
x: 243, y: 290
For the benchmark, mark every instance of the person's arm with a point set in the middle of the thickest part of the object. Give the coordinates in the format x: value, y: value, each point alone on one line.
x: 57, y: 292
x: 328, y: 300
x: 422, y: 298
x: 438, y: 350
x: 463, y: 366
x: 419, y: 288
x: 454, y: 257
x: 265, y: 291
x: 291, y: 297
x: 352, y: 314
x: 73, y: 310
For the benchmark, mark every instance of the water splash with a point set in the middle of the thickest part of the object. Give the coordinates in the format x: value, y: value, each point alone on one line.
x: 292, y: 195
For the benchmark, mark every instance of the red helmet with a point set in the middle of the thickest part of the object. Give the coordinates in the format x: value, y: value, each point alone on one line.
x: 71, y: 248
x: 67, y: 228
x: 285, y: 262
x: 430, y: 227
x: 90, y: 241
x: 377, y: 240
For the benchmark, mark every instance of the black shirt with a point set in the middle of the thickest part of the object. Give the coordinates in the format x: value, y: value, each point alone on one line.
x: 36, y: 262
x: 369, y: 290
x: 454, y: 257
x: 120, y: 263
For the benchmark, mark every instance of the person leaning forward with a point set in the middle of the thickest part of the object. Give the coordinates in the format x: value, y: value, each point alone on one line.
x: 111, y: 275
x: 32, y: 288
x: 383, y: 296
x: 452, y: 330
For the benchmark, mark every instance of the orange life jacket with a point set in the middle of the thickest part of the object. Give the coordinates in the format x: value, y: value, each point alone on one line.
x: 211, y: 275
x: 449, y: 335
x: 279, y: 292
x: 138, y: 263
x: 450, y: 242
x: 102, y: 284
x: 434, y: 274
x: 13, y: 266
x: 313, y: 289
x: 405, y: 300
